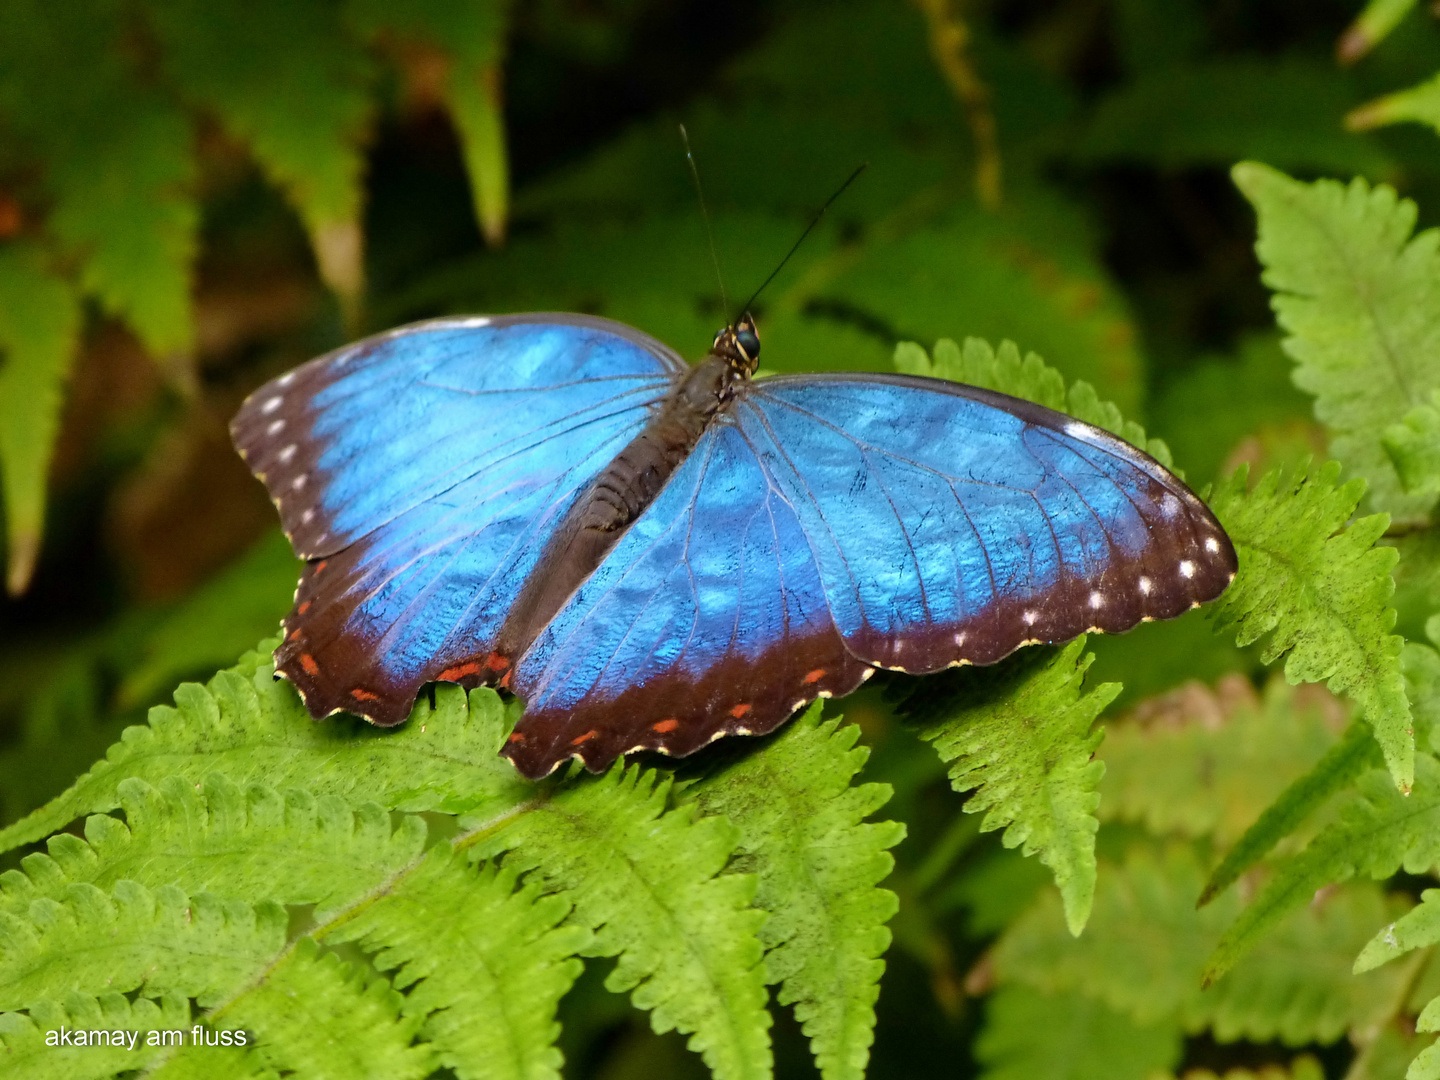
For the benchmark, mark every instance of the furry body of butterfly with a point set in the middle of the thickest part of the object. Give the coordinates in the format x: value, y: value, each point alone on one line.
x: 652, y: 555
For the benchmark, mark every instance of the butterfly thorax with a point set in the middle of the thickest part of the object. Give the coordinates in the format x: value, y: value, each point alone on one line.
x: 620, y: 493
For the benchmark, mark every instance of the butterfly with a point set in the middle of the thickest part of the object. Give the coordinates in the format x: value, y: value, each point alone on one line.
x: 653, y: 555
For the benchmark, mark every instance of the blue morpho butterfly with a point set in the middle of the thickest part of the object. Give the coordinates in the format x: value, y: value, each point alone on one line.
x: 653, y: 555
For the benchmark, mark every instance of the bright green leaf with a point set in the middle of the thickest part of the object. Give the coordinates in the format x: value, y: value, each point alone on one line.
x: 1021, y: 736
x: 1321, y: 589
x: 649, y: 882
x: 39, y: 328
x: 1379, y: 831
x: 802, y: 832
x: 288, y: 83
x: 1359, y: 297
x: 1068, y: 1036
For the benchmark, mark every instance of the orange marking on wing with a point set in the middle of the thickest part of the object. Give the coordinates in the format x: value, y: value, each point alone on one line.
x: 364, y: 695
x: 584, y: 738
x: 459, y: 671
x: 321, y: 565
x: 664, y: 727
x: 295, y: 634
x: 815, y: 676
x: 496, y: 662
x: 303, y: 608
x: 504, y: 682
x: 308, y: 663
x: 515, y: 736
x: 739, y: 710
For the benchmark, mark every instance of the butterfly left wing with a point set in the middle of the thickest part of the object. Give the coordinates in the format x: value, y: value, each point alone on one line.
x: 828, y: 525
x: 708, y: 618
x: 953, y: 525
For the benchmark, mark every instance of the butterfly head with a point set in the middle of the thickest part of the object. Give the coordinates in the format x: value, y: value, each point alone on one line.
x: 739, y: 344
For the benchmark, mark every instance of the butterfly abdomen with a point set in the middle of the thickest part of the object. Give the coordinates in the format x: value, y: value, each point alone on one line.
x: 618, y: 495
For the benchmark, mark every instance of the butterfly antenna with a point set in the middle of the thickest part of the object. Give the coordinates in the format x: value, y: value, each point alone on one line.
x: 813, y: 222
x: 705, y: 214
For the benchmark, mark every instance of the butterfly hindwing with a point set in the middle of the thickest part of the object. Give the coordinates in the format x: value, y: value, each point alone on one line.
x: 421, y: 472
x: 708, y: 618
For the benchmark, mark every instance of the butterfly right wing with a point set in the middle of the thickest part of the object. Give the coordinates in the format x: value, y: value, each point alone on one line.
x: 421, y: 472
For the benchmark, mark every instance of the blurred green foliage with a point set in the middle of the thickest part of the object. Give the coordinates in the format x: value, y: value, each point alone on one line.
x: 194, y: 197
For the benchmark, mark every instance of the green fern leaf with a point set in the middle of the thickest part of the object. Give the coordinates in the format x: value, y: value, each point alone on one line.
x: 1417, y: 105
x: 252, y: 728
x: 1379, y: 832
x: 1414, y: 448
x: 1021, y: 736
x: 39, y: 329
x: 467, y: 37
x: 1210, y: 763
x: 1030, y: 378
x: 215, y: 1063
x: 292, y: 847
x: 649, y: 883
x: 1146, y: 946
x: 315, y: 1017
x: 489, y: 964
x: 200, y: 946
x: 1416, y: 929
x: 1304, y: 1067
x: 1033, y: 1036
x: 116, y: 158
x: 802, y: 832
x: 1360, y: 299
x: 24, y: 1050
x: 1354, y: 754
x: 286, y: 81
x: 1371, y: 27
x: 1321, y: 590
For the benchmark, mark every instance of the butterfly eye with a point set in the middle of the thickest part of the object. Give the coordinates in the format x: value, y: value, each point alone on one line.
x: 749, y: 342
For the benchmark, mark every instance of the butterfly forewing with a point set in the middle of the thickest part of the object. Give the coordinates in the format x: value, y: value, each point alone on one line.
x: 422, y: 472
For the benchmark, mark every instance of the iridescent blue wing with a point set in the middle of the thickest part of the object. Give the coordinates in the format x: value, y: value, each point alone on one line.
x: 952, y: 524
x: 421, y: 471
x: 707, y: 618
x: 829, y: 524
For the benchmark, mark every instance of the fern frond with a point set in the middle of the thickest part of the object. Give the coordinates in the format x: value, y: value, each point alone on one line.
x: 288, y: 82
x: 1379, y: 832
x: 489, y: 963
x: 1302, y: 1068
x: 1413, y: 446
x: 132, y: 937
x: 215, y: 1063
x: 1146, y: 946
x: 1205, y: 764
x: 252, y: 844
x: 1360, y: 300
x: 1416, y: 929
x: 26, y: 1056
x: 1416, y: 104
x: 1021, y: 736
x: 250, y: 727
x: 1067, y: 1036
x: 40, y: 319
x: 803, y: 833
x: 1355, y: 753
x: 649, y: 882
x: 1003, y: 370
x: 1420, y: 664
x: 1321, y: 590
x: 314, y: 1016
